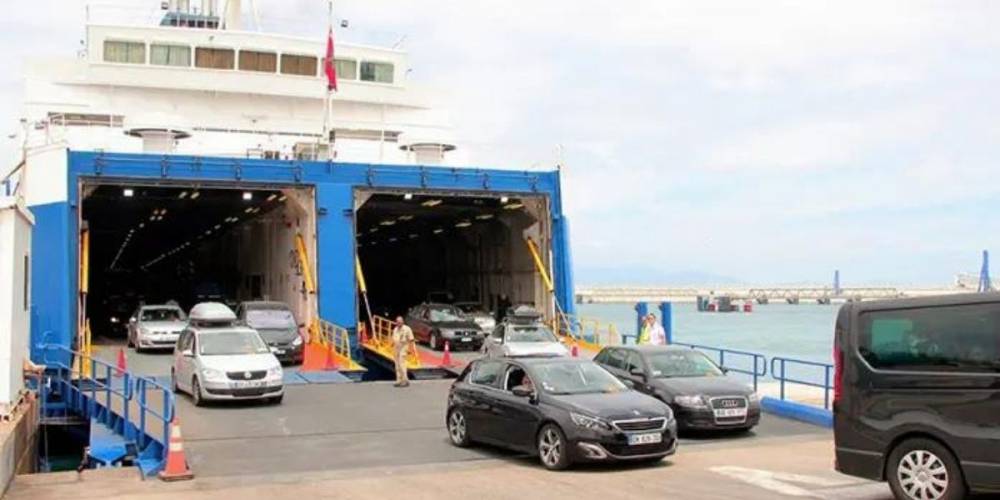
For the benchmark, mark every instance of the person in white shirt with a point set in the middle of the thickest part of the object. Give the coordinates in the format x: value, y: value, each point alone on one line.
x: 657, y: 336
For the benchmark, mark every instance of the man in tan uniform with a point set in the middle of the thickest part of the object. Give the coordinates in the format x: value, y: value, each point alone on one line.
x: 402, y: 343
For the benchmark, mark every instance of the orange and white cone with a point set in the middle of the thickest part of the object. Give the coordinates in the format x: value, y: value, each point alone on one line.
x: 121, y: 365
x: 446, y: 359
x: 574, y: 351
x: 176, y: 468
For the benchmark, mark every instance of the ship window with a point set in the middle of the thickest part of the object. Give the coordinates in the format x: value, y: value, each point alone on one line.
x: 347, y: 69
x: 170, y: 55
x: 124, y: 52
x: 298, y: 65
x: 376, y: 72
x: 251, y: 60
x: 214, y: 58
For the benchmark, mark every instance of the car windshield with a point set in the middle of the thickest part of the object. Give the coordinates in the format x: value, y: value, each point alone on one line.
x: 576, y: 378
x: 682, y: 364
x: 231, y: 343
x: 162, y: 314
x: 270, y: 318
x: 444, y: 313
x: 535, y: 333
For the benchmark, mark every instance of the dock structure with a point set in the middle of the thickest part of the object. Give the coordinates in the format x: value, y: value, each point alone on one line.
x: 775, y: 294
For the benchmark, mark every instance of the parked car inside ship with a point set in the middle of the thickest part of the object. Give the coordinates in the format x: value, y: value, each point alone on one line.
x: 217, y: 359
x: 435, y: 324
x: 276, y: 324
x: 512, y: 338
x: 155, y: 327
x: 477, y: 313
x: 565, y: 410
x: 697, y: 390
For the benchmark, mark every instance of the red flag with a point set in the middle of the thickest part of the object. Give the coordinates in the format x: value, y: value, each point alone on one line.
x: 330, y: 69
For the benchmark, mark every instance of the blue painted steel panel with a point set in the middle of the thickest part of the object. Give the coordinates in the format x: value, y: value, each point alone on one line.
x: 55, y: 239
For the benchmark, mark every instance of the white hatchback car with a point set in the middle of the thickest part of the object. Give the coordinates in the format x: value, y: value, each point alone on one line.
x: 215, y: 359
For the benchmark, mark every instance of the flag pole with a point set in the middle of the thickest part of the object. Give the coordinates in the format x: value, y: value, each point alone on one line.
x: 329, y: 91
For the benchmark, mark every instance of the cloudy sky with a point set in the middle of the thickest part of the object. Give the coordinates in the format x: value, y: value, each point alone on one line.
x: 766, y: 142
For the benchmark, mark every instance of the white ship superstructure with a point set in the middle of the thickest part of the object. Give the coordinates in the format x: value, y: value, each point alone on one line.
x: 197, y: 84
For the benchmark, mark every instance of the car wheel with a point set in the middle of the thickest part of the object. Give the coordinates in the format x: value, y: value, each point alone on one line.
x: 196, y: 393
x: 458, y: 428
x: 552, y: 448
x: 435, y: 343
x: 128, y: 341
x: 921, y: 469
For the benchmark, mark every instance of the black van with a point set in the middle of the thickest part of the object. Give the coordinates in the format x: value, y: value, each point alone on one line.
x: 917, y: 394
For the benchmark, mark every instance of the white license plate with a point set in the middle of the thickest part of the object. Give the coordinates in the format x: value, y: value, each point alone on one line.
x: 248, y: 384
x: 731, y: 413
x: 466, y: 339
x: 279, y: 352
x: 651, y: 438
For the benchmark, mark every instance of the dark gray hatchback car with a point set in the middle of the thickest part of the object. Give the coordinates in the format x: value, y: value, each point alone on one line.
x: 917, y: 394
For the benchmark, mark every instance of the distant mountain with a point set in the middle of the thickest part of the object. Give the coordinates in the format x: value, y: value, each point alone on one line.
x: 642, y: 276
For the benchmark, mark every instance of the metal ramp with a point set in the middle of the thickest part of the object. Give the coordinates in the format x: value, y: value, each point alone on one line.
x: 130, y: 415
x: 422, y: 365
x: 329, y: 350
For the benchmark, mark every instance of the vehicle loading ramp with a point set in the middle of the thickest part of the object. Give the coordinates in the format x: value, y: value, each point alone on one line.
x: 424, y: 364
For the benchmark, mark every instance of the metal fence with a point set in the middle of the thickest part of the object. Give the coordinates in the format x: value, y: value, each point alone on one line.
x: 802, y: 372
x: 744, y: 362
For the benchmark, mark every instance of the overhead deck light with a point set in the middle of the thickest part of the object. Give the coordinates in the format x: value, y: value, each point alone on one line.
x: 392, y: 240
x: 408, y: 196
x: 504, y: 199
x: 373, y: 230
x: 282, y: 198
x: 217, y: 226
x: 388, y: 222
x: 272, y: 197
x: 431, y: 203
x: 248, y: 210
x: 405, y: 217
x: 183, y: 195
x: 514, y: 206
x: 438, y: 231
x: 464, y: 223
x: 484, y: 216
x: 195, y: 195
x: 247, y: 195
x: 413, y: 236
x: 128, y: 192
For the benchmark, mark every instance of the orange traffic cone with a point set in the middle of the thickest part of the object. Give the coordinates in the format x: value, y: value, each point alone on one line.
x: 176, y: 468
x: 446, y: 359
x: 121, y: 367
x: 574, y: 351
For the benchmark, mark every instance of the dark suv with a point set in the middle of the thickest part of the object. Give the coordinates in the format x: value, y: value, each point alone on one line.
x: 917, y: 394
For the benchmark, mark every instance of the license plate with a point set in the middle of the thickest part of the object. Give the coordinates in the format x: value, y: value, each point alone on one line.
x: 731, y: 413
x: 651, y: 438
x: 466, y: 339
x: 279, y: 352
x: 248, y: 384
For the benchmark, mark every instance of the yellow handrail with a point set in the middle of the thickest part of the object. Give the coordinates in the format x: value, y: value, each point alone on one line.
x: 590, y: 333
x: 335, y: 337
x: 381, y: 339
x: 300, y: 247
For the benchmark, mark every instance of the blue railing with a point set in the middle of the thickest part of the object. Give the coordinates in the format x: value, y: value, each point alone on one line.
x: 748, y: 363
x: 789, y: 371
x: 101, y: 397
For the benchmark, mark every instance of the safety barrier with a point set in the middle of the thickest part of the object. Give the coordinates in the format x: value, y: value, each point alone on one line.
x: 381, y: 341
x: 588, y: 333
x: 759, y: 361
x: 779, y: 371
x: 112, y: 404
x: 338, y: 339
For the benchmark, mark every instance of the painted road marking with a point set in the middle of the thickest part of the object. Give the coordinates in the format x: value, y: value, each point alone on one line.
x: 781, y: 482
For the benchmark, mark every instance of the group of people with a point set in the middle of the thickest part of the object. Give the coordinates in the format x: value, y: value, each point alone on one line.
x: 652, y: 332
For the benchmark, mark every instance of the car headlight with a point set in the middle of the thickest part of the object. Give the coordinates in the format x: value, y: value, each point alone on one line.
x: 274, y: 372
x: 753, y: 397
x: 586, y: 422
x: 690, y: 401
x: 297, y: 341
x: 213, y: 375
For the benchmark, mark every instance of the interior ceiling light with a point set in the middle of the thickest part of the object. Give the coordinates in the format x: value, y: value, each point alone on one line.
x: 282, y: 198
x: 408, y: 196
x: 484, y: 216
x: 504, y: 199
x: 272, y: 197
x: 405, y: 217
x: 431, y: 203
x: 256, y: 210
x: 413, y: 236
x: 152, y: 217
x: 195, y: 195
x: 217, y: 226
x: 387, y: 222
x: 183, y: 195
x: 163, y: 211
x: 464, y: 223
x: 247, y: 196
x: 128, y: 192
x: 438, y: 231
x: 373, y: 230
x: 248, y: 210
x: 514, y: 206
x: 142, y: 225
x: 392, y: 240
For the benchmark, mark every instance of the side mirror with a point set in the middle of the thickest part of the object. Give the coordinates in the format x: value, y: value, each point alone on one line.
x: 637, y: 372
x: 187, y: 353
x: 523, y: 392
x: 628, y: 383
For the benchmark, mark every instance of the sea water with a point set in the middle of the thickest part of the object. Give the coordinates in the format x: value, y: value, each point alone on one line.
x: 803, y: 331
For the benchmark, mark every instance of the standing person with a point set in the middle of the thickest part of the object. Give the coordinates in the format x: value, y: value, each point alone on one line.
x: 503, y: 304
x: 402, y: 343
x: 657, y: 335
x: 644, y: 332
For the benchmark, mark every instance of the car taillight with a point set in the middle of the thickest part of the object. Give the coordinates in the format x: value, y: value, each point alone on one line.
x: 838, y: 371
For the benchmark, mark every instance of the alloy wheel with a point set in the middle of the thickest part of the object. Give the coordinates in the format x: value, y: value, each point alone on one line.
x: 456, y: 427
x: 922, y: 475
x: 550, y: 447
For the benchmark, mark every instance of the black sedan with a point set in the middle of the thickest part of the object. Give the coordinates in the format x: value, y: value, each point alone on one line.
x: 699, y: 392
x: 565, y: 410
x: 436, y: 324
